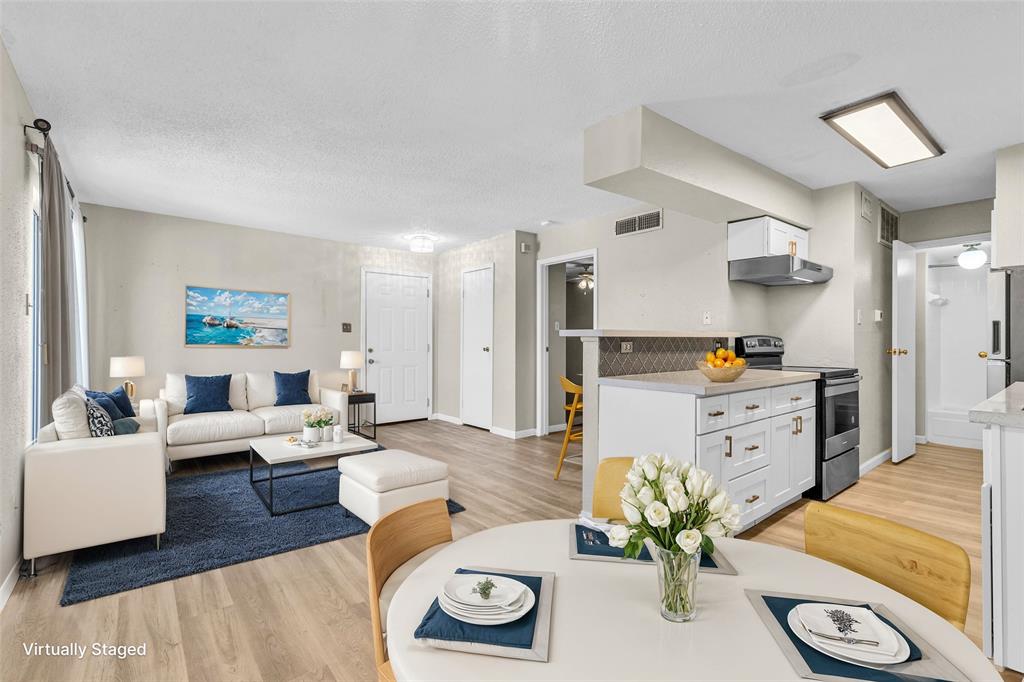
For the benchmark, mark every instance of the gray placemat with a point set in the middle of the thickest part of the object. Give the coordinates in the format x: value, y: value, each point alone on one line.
x: 541, y: 632
x: 724, y: 567
x: 933, y: 665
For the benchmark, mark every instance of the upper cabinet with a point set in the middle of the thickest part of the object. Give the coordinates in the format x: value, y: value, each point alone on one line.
x: 766, y: 236
x: 1008, y: 216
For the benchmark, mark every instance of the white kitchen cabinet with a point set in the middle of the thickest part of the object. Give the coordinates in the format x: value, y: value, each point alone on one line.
x: 792, y: 444
x: 1008, y: 213
x: 766, y: 236
x: 749, y: 406
x: 793, y: 397
x: 712, y: 413
x: 736, y: 451
x: 750, y: 492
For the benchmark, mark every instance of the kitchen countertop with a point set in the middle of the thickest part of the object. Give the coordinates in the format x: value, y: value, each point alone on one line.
x: 692, y: 381
x: 639, y: 333
x: 1005, y: 408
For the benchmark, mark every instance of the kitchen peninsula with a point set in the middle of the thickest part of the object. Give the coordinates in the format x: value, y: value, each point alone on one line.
x: 756, y: 435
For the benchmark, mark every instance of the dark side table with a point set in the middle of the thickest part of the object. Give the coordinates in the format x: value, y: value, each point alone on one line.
x: 356, y: 422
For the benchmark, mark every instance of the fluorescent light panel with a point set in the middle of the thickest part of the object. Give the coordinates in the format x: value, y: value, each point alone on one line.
x: 885, y: 129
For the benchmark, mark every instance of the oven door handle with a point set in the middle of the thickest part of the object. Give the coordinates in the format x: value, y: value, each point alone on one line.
x: 831, y: 391
x: 842, y: 382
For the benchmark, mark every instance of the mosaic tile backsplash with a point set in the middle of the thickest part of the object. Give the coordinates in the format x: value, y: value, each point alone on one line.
x: 652, y: 355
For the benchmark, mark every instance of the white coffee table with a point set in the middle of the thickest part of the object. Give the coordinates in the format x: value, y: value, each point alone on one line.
x: 275, y: 450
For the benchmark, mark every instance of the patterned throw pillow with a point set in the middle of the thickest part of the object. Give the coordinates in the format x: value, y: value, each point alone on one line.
x: 100, y: 423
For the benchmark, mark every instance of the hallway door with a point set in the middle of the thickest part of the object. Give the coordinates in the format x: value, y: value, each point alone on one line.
x: 477, y: 338
x: 903, y: 350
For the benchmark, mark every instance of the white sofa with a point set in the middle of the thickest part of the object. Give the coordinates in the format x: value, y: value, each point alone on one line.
x: 252, y: 396
x: 83, y: 492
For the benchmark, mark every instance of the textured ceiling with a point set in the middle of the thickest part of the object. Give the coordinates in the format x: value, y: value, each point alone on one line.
x: 366, y: 121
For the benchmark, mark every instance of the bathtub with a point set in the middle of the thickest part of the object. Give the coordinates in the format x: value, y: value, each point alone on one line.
x: 949, y: 426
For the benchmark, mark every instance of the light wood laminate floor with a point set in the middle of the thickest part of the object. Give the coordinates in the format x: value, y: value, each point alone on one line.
x: 303, y: 615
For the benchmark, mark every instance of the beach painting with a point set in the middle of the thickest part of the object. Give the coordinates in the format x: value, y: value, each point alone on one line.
x: 235, y: 318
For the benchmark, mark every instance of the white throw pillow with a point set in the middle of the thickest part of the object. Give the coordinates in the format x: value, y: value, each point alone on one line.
x: 70, y: 416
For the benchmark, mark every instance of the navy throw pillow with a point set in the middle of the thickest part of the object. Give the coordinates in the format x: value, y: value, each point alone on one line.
x: 292, y: 389
x: 107, y: 403
x: 207, y: 394
x: 122, y: 401
x: 123, y: 427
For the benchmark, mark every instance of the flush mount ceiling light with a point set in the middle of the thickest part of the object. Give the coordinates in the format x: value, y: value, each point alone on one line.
x: 972, y: 257
x: 421, y: 243
x: 885, y: 129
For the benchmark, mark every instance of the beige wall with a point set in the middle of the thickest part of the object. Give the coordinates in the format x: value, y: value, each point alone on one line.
x: 557, y: 320
x: 954, y: 220
x: 525, y: 288
x: 19, y: 176
x: 139, y: 264
x: 663, y: 279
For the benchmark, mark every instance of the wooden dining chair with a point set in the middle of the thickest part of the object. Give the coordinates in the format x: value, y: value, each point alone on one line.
x: 393, y: 541
x: 935, y: 573
x: 573, y: 408
x: 611, y: 476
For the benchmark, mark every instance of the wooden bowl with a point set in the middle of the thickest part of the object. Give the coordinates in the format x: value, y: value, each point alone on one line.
x: 721, y: 375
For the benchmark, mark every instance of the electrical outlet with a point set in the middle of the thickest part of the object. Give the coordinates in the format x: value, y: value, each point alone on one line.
x: 346, y: 327
x: 626, y: 347
x: 706, y: 318
x: 558, y: 325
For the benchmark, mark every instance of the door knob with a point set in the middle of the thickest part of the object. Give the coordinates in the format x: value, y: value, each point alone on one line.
x: 369, y: 350
x: 890, y: 351
x: 904, y: 351
x: 982, y: 354
x: 487, y: 349
x: 370, y: 361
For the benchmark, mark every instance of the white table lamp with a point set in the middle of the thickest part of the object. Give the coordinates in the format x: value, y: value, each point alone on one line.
x: 128, y: 366
x: 352, y: 360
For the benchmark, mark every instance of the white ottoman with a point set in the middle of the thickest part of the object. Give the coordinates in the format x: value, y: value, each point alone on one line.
x: 377, y: 483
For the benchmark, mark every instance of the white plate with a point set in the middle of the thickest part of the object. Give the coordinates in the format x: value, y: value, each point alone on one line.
x: 498, y: 619
x: 459, y: 589
x: 452, y: 607
x: 869, y: 659
x: 485, y: 610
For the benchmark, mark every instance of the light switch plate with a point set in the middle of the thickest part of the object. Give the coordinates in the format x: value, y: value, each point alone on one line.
x: 626, y: 347
x: 706, y: 317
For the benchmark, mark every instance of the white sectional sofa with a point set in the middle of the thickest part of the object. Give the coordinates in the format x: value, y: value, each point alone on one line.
x: 252, y: 396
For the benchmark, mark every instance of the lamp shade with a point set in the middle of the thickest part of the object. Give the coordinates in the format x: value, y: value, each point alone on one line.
x: 127, y: 366
x: 351, y: 359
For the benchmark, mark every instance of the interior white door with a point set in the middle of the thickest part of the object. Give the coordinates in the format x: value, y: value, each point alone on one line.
x: 397, y: 345
x: 903, y: 351
x: 477, y: 340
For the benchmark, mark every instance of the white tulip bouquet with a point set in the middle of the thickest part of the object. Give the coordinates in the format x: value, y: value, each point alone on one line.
x: 681, y: 510
x: 317, y: 418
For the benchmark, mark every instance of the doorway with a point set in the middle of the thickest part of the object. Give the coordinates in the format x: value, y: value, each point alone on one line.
x: 396, y: 328
x: 476, y: 339
x: 566, y: 299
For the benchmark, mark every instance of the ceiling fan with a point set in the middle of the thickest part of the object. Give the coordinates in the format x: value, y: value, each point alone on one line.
x: 585, y: 280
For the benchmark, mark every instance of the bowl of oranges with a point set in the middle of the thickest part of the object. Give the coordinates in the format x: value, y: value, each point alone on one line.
x: 722, y: 366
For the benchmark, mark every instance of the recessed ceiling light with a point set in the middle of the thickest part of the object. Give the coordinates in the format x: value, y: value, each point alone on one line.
x: 422, y: 242
x: 885, y: 129
x: 546, y: 223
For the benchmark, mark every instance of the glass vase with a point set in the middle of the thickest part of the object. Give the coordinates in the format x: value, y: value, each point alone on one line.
x: 677, y: 584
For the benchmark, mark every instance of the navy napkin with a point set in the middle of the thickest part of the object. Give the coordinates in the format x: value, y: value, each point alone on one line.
x: 823, y: 664
x: 595, y: 543
x: 437, y: 624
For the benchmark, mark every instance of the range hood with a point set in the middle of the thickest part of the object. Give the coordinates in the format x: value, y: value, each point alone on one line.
x: 777, y: 271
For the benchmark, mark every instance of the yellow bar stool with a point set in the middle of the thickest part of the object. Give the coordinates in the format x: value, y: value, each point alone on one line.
x: 576, y: 406
x: 610, y: 478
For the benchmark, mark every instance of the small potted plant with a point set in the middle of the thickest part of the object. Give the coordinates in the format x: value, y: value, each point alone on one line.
x: 677, y: 510
x: 311, y: 426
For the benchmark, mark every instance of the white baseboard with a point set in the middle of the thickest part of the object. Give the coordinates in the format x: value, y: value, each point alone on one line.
x: 509, y: 433
x: 9, y: 582
x: 437, y: 416
x: 880, y: 458
x: 555, y: 428
x: 921, y: 440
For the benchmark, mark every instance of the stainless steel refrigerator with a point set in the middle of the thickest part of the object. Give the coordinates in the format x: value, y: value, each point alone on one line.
x: 1006, y: 315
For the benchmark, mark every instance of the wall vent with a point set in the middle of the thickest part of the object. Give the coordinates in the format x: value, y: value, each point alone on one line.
x: 888, y: 225
x: 638, y: 223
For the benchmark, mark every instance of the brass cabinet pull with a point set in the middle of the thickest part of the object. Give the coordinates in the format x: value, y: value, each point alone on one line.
x: 753, y: 406
x: 716, y: 413
x: 751, y: 448
x: 800, y: 424
x: 753, y: 498
x: 792, y: 247
x: 796, y: 426
x: 797, y: 397
x: 728, y: 446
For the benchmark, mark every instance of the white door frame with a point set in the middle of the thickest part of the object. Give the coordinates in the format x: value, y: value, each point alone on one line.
x: 430, y: 325
x: 462, y: 316
x: 542, y: 327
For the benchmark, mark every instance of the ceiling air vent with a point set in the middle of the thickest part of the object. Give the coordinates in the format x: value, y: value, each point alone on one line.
x: 638, y: 223
x: 888, y: 225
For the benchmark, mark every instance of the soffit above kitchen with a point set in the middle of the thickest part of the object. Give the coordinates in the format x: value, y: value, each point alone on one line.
x: 367, y: 121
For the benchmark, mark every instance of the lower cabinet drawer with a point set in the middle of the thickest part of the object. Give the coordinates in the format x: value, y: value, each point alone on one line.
x: 712, y: 413
x: 793, y: 397
x: 737, y: 451
x: 750, y: 406
x: 750, y: 492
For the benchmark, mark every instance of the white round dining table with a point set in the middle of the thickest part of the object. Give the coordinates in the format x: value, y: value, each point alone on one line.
x: 605, y: 622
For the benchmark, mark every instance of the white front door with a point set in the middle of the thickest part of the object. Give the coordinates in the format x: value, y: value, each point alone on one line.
x: 903, y: 351
x: 397, y: 345
x: 477, y: 340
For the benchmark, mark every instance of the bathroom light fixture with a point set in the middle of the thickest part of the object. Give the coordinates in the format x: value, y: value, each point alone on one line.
x: 884, y: 128
x: 422, y: 242
x: 972, y: 258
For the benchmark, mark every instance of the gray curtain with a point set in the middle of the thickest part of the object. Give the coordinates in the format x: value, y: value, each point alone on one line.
x: 58, y: 283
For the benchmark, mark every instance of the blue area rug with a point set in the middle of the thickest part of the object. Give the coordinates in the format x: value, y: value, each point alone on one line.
x: 215, y: 520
